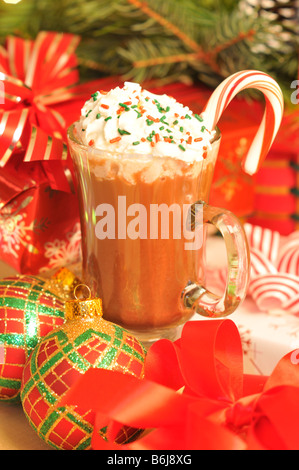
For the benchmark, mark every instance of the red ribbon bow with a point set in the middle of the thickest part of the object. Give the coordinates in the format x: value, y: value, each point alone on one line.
x: 36, y: 78
x: 195, y: 396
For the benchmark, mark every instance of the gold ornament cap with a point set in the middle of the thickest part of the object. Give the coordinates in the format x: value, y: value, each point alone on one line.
x: 83, y: 306
x: 65, y: 282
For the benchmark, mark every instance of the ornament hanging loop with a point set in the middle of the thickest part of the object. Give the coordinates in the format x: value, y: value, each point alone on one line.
x: 82, y: 288
x: 83, y: 306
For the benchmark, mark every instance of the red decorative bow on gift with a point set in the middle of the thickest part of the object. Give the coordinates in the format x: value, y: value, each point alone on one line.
x: 35, y: 78
x: 195, y: 396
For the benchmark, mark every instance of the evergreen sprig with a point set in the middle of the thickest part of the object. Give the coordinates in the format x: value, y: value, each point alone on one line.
x: 163, y: 41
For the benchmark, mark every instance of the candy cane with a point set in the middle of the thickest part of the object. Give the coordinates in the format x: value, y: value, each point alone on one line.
x: 271, y: 121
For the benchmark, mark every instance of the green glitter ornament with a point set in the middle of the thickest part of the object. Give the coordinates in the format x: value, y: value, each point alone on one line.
x: 85, y: 340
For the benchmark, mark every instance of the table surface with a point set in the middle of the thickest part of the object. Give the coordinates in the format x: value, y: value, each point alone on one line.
x: 15, y: 430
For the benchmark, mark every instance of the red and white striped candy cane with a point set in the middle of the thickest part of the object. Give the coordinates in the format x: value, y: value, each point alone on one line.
x: 271, y: 121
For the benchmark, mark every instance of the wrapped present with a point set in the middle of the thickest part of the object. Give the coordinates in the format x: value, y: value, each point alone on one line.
x: 276, y: 199
x: 37, y: 233
x: 41, y: 97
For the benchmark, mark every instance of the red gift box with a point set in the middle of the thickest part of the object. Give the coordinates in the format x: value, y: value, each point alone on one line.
x: 40, y: 98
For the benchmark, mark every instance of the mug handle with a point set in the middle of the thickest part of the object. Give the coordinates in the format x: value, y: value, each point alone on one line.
x: 200, y: 299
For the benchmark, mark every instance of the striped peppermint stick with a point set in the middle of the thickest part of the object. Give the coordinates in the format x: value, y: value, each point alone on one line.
x: 271, y: 121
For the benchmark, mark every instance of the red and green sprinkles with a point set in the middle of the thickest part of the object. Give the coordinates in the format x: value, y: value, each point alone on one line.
x: 123, y: 132
x: 95, y: 96
x: 152, y: 137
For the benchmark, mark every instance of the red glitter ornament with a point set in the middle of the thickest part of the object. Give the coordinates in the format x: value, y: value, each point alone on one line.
x: 30, y: 307
x: 85, y: 341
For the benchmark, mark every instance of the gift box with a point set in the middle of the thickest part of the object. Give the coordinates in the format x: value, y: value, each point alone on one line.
x: 40, y: 98
x: 276, y: 198
x: 266, y: 338
x: 37, y: 233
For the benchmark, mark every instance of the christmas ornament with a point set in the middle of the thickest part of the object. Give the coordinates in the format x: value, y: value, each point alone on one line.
x: 85, y: 341
x: 30, y: 307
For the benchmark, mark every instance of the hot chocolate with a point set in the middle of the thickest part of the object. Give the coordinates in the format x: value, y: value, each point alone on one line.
x: 138, y: 157
x: 140, y: 270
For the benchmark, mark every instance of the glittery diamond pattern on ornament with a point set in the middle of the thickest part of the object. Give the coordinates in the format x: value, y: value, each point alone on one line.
x: 58, y: 361
x: 28, y: 311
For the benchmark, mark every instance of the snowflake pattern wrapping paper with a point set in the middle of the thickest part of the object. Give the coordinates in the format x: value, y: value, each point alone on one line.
x: 37, y: 233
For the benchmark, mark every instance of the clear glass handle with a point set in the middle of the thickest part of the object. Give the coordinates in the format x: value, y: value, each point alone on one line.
x: 197, y: 297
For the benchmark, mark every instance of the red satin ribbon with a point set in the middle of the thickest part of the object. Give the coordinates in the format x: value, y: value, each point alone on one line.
x: 195, y: 396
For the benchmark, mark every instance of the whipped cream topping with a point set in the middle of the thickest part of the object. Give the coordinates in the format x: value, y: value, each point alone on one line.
x: 135, y: 121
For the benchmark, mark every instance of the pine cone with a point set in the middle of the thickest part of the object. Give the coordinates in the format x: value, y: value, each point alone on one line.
x: 283, y: 17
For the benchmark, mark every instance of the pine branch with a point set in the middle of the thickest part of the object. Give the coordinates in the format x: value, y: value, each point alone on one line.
x: 149, y: 58
x: 160, y: 40
x: 176, y: 31
x: 198, y: 52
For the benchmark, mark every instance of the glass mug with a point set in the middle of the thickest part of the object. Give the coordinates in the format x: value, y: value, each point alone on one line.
x: 149, y: 272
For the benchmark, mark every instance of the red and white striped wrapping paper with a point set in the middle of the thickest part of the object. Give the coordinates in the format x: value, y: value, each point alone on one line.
x: 274, y: 283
